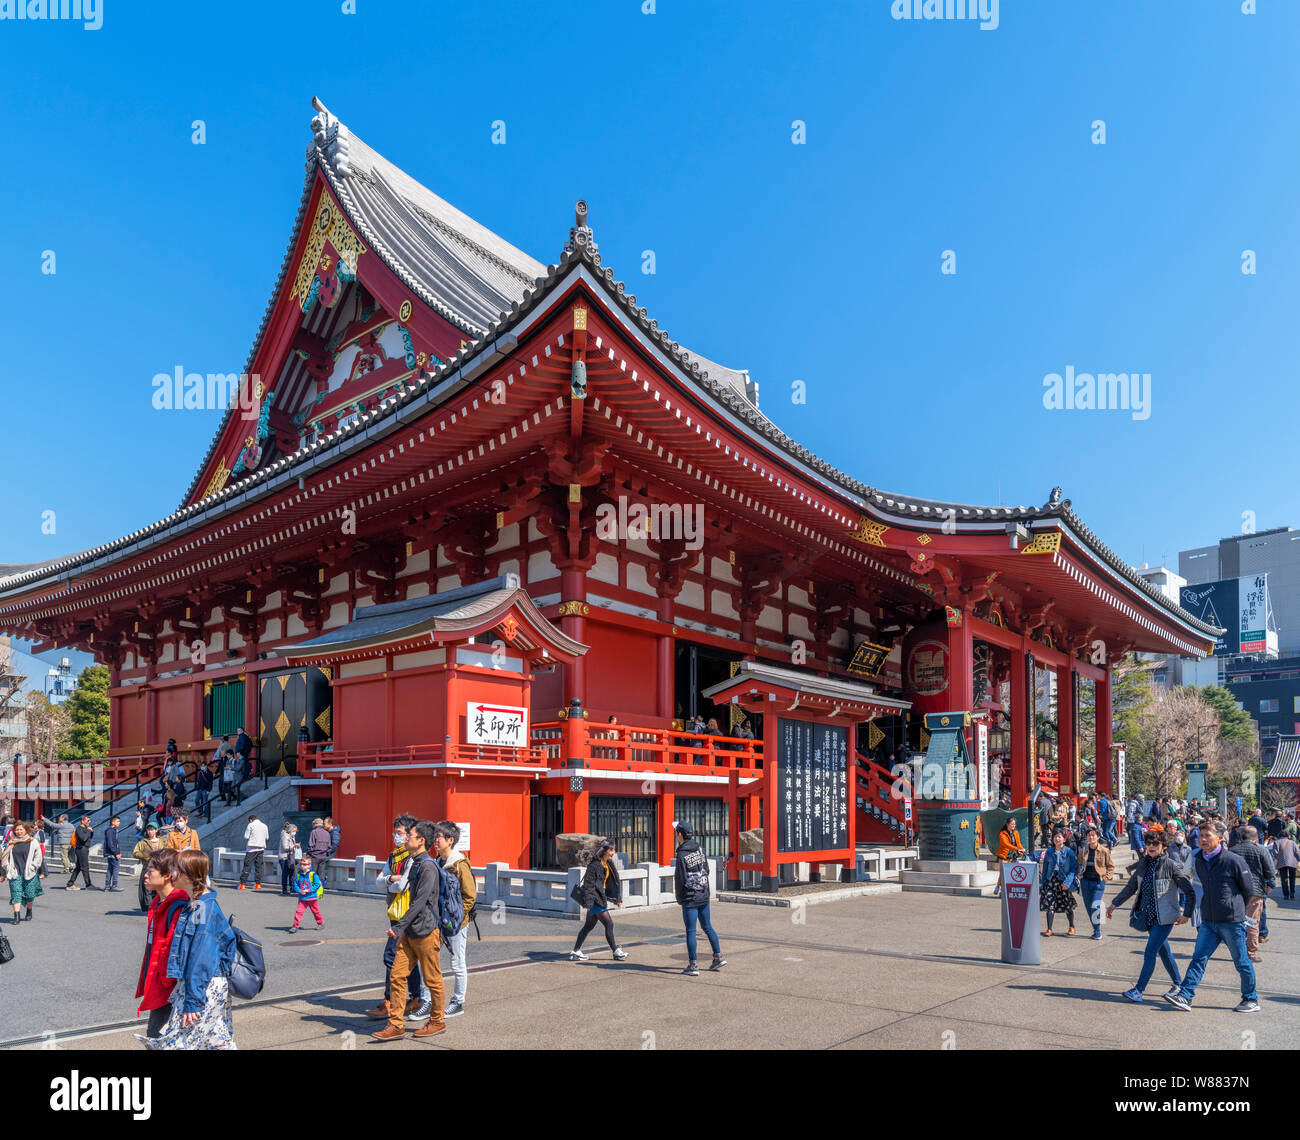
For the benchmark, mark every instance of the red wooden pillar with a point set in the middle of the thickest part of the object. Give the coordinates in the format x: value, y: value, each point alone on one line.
x: 961, y: 664
x: 664, y: 646
x: 770, y: 879
x: 251, y: 725
x: 577, y: 817
x: 196, y: 709
x: 115, y: 721
x: 733, y: 830
x: 1067, y: 758
x: 576, y: 756
x: 573, y: 594
x: 1022, y: 772
x: 525, y: 826
x: 390, y: 713
x: 667, y: 808
x: 1105, y: 772
x: 150, y: 713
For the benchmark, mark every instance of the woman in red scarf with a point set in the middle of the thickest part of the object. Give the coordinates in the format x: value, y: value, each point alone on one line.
x: 155, y: 987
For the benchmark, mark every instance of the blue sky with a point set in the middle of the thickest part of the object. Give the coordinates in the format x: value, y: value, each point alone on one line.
x: 816, y: 262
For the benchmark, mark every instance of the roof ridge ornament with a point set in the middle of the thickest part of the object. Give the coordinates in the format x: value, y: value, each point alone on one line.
x: 580, y: 236
x: 331, y: 137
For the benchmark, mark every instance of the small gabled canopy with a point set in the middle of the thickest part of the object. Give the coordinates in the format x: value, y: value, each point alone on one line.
x: 452, y: 616
x: 757, y: 680
x: 1286, y: 764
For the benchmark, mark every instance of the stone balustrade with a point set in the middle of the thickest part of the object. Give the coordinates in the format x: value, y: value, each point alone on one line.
x: 644, y: 884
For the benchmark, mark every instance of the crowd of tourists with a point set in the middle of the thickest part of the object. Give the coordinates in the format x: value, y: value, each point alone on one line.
x: 1184, y: 863
x: 431, y: 897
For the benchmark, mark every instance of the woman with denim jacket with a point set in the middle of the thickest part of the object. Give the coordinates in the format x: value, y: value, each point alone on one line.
x: 200, y: 958
x: 1060, y: 877
x: 1157, y: 882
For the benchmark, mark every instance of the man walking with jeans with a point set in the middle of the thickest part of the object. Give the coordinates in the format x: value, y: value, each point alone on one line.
x: 112, y: 854
x: 445, y: 837
x: 691, y: 885
x: 255, y: 836
x: 1228, y: 887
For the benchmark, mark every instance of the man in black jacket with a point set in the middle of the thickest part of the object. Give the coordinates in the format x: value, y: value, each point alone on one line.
x: 691, y: 885
x: 1263, y: 874
x: 419, y: 939
x: 112, y: 854
x: 1227, y: 885
x: 203, y: 782
x: 244, y: 750
x: 81, y: 854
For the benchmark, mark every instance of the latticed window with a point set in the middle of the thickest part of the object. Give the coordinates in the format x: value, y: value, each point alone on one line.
x: 707, y: 818
x: 629, y: 821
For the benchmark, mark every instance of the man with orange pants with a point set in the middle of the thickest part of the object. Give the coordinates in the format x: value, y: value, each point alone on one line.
x: 419, y: 940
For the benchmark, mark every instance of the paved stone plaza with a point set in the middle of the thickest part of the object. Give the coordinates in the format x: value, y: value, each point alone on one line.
x: 913, y: 971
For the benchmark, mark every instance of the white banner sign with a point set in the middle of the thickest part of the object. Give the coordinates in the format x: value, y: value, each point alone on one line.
x: 982, y: 736
x: 1119, y: 762
x: 505, y: 726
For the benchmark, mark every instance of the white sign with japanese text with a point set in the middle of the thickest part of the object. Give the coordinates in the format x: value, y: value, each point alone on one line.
x: 505, y: 726
x: 982, y: 737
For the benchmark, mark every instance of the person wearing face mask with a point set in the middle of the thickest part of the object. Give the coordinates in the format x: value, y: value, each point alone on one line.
x: 182, y: 836
x: 395, y: 877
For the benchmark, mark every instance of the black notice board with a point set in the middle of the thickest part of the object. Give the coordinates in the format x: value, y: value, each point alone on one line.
x: 812, y: 786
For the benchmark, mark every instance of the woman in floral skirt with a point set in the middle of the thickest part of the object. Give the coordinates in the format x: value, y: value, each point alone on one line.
x: 200, y: 958
x: 1060, y: 877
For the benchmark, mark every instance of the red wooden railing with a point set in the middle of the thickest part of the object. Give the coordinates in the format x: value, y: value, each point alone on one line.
x: 324, y: 757
x: 875, y: 787
x: 637, y: 748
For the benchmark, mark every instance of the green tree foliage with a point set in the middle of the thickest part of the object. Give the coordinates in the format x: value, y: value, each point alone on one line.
x: 1234, y: 723
x: 88, y: 710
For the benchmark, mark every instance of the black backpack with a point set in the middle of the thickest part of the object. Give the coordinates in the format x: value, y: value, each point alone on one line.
x: 248, y: 970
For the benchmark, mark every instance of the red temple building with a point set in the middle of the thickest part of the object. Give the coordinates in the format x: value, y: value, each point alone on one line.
x: 458, y: 479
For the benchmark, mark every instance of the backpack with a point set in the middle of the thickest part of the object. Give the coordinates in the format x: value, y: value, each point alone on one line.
x: 248, y: 971
x: 451, y: 907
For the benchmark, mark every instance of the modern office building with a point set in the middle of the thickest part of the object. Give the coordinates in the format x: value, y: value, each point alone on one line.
x: 1172, y: 671
x: 1273, y: 552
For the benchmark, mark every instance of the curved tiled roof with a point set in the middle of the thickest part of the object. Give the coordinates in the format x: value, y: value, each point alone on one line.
x: 462, y: 269
x: 459, y: 268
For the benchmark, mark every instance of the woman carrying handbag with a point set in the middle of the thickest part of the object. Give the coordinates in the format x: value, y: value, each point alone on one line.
x: 599, y: 889
x: 1156, y: 881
